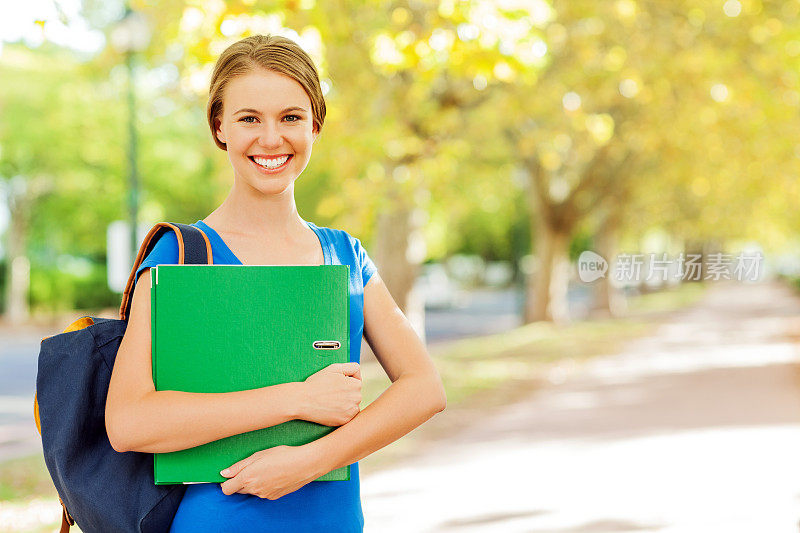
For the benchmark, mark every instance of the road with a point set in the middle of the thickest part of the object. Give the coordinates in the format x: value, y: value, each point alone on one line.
x: 694, y: 429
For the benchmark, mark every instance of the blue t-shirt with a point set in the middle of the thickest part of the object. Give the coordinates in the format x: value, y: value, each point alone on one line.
x: 331, y: 506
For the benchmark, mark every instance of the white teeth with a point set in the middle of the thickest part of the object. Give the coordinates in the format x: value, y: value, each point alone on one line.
x: 271, y: 163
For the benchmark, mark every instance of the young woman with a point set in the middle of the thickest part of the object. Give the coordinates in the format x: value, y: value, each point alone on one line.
x: 266, y: 110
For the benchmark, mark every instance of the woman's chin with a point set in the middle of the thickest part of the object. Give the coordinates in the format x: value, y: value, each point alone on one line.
x: 273, y: 187
x: 268, y: 185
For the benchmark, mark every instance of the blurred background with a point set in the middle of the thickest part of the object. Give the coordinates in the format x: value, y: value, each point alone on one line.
x: 477, y: 148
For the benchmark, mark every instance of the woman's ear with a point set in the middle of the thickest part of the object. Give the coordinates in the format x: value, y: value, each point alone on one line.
x: 218, y: 131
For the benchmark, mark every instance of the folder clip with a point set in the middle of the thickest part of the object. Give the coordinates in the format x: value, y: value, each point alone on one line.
x: 326, y: 345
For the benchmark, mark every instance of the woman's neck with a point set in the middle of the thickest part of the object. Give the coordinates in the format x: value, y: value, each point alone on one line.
x: 257, y: 214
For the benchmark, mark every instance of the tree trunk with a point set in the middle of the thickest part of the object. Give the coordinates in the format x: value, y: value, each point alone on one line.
x: 397, y: 264
x: 18, y: 266
x: 694, y: 247
x: 608, y: 300
x: 547, y: 291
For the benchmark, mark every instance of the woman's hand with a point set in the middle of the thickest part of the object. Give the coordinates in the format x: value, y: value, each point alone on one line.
x: 271, y: 473
x: 332, y: 396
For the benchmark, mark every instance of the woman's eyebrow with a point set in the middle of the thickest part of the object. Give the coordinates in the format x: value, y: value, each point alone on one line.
x: 251, y: 110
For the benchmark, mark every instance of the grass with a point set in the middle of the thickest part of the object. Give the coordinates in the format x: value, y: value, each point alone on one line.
x: 34, y: 483
x: 792, y: 280
x: 667, y: 300
x: 480, y: 375
x: 28, y: 499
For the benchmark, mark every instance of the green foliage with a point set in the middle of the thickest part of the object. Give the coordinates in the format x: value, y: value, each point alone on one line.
x: 54, y: 290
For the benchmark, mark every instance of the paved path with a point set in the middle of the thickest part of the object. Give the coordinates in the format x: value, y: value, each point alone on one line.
x: 695, y: 429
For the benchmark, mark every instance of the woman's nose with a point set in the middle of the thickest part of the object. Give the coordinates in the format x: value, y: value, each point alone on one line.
x: 270, y: 136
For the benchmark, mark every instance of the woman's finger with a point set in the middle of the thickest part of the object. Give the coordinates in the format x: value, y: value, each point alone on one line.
x: 235, y: 468
x: 235, y: 484
x: 351, y: 369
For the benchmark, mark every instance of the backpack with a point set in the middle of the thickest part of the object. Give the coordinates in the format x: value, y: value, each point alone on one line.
x: 99, y: 488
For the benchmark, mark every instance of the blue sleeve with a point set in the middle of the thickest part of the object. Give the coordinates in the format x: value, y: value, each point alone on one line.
x: 165, y: 252
x: 368, y: 268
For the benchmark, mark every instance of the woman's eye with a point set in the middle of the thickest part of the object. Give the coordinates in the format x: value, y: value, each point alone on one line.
x: 295, y: 118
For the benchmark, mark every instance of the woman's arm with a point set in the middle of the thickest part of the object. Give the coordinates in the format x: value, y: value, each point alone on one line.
x: 139, y: 418
x: 415, y: 395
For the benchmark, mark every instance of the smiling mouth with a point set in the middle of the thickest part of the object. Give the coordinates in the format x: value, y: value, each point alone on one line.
x: 270, y: 163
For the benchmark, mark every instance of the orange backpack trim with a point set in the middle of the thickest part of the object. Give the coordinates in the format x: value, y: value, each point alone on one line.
x: 128, y: 294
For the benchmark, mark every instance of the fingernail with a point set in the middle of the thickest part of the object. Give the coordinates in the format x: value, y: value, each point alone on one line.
x: 225, y: 472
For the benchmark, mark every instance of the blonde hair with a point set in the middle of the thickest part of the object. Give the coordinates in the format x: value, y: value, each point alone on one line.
x: 271, y: 52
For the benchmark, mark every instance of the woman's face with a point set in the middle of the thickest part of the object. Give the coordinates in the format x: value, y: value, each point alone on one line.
x: 267, y: 125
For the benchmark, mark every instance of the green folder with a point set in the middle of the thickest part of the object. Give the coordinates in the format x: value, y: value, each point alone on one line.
x: 224, y: 328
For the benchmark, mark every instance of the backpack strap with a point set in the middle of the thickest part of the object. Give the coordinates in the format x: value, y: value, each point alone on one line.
x: 194, y: 248
x: 66, y: 519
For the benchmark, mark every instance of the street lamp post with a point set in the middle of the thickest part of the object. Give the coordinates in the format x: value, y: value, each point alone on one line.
x: 131, y: 35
